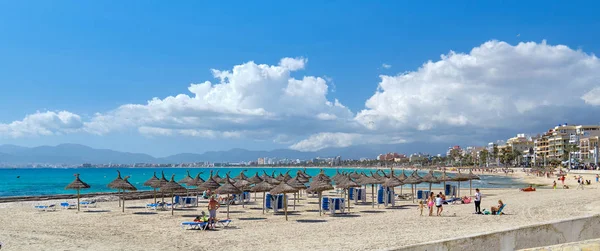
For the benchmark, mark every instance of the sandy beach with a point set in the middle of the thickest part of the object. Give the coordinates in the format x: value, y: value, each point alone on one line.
x: 364, y: 228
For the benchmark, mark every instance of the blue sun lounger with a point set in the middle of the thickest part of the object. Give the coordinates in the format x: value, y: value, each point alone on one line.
x: 194, y: 225
x: 67, y: 205
x: 224, y: 223
x: 45, y: 208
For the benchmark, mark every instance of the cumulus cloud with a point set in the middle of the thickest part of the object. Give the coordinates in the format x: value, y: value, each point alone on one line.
x: 386, y: 66
x: 337, y: 139
x: 496, y: 85
x: 251, y: 100
x: 42, y: 124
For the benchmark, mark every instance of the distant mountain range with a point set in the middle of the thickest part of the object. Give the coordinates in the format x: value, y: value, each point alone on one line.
x: 77, y: 154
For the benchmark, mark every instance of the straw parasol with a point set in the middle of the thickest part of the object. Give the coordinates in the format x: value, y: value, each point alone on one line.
x: 116, y: 183
x: 121, y: 184
x: 413, y: 179
x: 319, y: 185
x: 283, y: 188
x: 295, y: 183
x: 269, y: 179
x: 262, y: 187
x: 185, y: 180
x: 243, y: 185
x: 77, y: 184
x: 460, y: 178
x: 172, y: 187
x: 300, y: 177
x: 354, y: 175
x: 322, y: 177
x: 210, y: 183
x: 255, y: 180
x: 216, y: 177
x: 430, y: 178
x: 153, y: 182
x: 162, y: 181
x: 241, y: 175
x: 196, y: 182
x: 347, y: 183
x: 443, y: 178
x: 228, y: 188
x: 305, y: 174
x: 366, y: 180
x: 472, y: 177
x: 227, y: 177
x: 402, y: 177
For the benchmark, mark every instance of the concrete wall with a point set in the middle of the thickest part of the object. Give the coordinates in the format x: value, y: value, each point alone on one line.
x: 564, y: 231
x: 589, y: 245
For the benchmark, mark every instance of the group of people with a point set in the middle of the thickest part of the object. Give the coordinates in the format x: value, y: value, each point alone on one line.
x: 438, y: 201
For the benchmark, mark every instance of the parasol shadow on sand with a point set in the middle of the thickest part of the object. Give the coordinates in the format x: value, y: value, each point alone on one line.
x: 77, y: 184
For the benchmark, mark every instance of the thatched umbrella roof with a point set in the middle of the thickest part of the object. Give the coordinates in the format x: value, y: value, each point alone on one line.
x: 354, y: 175
x: 162, y: 181
x: 377, y: 176
x: 319, y: 186
x: 472, y: 176
x: 241, y: 176
x: 304, y: 174
x: 77, y: 184
x: 366, y: 180
x: 271, y: 180
x: 414, y: 178
x: 262, y: 187
x: 117, y: 182
x: 284, y: 177
x: 444, y: 177
x: 242, y: 184
x: 120, y: 183
x: 295, y: 183
x: 255, y: 179
x: 210, y: 183
x: 228, y: 187
x: 283, y: 188
x: 430, y: 178
x: 461, y: 177
x: 301, y: 178
x: 347, y: 183
x: 196, y: 182
x: 402, y: 176
x: 227, y: 177
x: 186, y: 179
x: 393, y: 181
x: 153, y: 182
x: 172, y: 186
x: 322, y: 177
x: 336, y: 176
x: 217, y: 178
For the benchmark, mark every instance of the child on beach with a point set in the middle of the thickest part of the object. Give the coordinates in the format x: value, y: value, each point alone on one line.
x: 554, y: 185
x: 421, y: 207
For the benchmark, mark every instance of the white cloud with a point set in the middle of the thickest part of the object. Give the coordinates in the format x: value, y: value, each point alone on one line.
x: 386, y: 66
x: 325, y: 140
x: 42, y: 124
x: 251, y: 100
x: 592, y: 97
x: 496, y: 85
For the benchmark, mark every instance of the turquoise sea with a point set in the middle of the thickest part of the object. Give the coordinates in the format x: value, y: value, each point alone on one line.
x: 51, y: 181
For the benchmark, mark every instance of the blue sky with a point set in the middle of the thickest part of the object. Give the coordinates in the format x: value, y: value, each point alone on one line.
x: 89, y: 57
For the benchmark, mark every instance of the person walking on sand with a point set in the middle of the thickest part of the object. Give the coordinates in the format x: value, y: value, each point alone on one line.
x: 430, y: 202
x: 554, y: 184
x: 438, y: 204
x: 421, y: 207
x: 477, y: 201
x: 597, y: 178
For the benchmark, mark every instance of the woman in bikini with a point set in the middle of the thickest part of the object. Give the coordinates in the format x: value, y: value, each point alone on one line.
x: 430, y: 202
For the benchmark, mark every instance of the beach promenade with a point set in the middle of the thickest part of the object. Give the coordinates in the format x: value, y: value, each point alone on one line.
x: 365, y: 228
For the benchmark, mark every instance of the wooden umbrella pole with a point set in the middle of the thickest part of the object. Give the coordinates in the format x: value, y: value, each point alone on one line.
x: 118, y: 192
x: 264, y: 201
x: 320, y: 203
x: 228, y: 202
x: 123, y: 201
x: 373, y: 195
x: 77, y: 200
x: 285, y: 206
x: 294, y: 201
x: 470, y: 187
x: 254, y: 196
x: 155, y: 195
x: 348, y: 199
x: 172, y: 204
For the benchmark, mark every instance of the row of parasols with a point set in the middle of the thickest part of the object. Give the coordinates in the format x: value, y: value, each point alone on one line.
x: 282, y: 184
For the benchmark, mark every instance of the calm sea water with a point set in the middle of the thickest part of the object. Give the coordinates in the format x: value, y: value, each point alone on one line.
x: 51, y: 181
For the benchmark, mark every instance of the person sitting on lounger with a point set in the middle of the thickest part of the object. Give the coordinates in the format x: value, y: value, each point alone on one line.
x: 496, y: 209
x: 206, y: 194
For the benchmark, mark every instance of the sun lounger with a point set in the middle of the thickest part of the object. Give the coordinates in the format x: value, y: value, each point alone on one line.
x: 224, y: 223
x: 154, y: 206
x: 88, y: 204
x: 194, y: 225
x: 325, y: 203
x: 46, y: 208
x: 336, y: 204
x: 452, y: 201
x: 67, y: 205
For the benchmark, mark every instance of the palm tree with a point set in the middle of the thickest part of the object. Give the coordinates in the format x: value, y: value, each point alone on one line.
x: 483, y: 156
x: 495, y: 152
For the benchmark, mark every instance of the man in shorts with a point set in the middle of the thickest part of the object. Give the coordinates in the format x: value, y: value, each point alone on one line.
x: 213, y: 205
